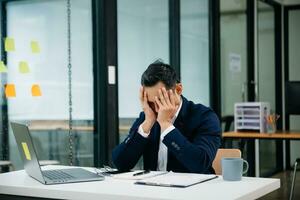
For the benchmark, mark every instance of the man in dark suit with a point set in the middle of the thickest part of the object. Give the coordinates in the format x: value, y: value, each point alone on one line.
x: 171, y: 133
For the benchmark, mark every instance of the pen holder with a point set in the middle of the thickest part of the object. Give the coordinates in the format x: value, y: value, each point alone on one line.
x: 271, y: 121
x: 271, y: 128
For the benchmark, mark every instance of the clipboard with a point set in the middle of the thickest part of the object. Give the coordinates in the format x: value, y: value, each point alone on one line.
x: 179, y: 180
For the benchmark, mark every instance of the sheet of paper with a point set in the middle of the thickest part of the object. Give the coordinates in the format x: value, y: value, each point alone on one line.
x: 10, y: 90
x: 23, y: 67
x: 36, y: 91
x: 35, y: 47
x: 3, y: 68
x: 234, y: 62
x: 9, y: 44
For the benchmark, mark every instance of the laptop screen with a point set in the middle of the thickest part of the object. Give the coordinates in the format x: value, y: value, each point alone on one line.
x: 27, y: 151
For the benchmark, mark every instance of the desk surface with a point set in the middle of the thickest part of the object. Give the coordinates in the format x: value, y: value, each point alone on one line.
x: 277, y: 135
x: 19, y: 183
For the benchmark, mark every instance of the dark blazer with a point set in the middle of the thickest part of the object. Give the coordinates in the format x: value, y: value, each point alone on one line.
x: 192, y: 145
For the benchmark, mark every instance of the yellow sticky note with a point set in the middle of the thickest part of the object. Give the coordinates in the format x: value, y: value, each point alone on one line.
x: 35, y: 47
x: 36, y: 91
x: 3, y: 68
x: 10, y: 90
x: 26, y: 151
x: 9, y: 44
x: 23, y: 67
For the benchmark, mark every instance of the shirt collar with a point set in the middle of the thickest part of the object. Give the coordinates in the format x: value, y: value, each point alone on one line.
x: 177, y: 112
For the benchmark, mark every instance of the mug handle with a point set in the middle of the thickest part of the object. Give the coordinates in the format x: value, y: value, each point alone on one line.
x: 247, y: 166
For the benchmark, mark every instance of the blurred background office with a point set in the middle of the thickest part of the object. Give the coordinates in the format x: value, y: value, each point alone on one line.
x: 85, y: 59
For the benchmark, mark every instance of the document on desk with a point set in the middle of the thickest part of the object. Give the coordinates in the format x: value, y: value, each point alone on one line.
x: 138, y: 175
x: 173, y: 179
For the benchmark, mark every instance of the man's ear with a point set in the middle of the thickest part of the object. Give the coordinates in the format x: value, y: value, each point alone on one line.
x: 178, y: 88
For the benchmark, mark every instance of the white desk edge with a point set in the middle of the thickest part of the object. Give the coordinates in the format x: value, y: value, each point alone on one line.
x: 20, y: 184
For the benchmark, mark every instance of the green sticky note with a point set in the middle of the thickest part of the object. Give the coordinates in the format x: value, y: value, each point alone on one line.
x: 35, y: 47
x: 3, y: 68
x: 23, y: 67
x: 9, y: 44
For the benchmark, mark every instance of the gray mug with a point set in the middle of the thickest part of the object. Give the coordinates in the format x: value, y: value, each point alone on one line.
x: 233, y: 168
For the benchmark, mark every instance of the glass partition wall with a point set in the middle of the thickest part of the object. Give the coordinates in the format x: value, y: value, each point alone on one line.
x: 194, y: 49
x: 37, y: 78
x: 248, y: 68
x: 233, y: 23
x: 293, y: 60
x: 143, y: 37
x: 266, y: 78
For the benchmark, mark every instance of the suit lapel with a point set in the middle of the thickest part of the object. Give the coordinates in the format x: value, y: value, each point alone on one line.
x: 180, y: 120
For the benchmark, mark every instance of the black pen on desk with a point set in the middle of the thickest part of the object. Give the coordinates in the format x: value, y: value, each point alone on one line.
x: 210, y: 179
x: 141, y: 173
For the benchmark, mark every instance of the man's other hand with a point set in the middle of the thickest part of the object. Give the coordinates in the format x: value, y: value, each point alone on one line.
x: 167, y: 108
x: 150, y: 116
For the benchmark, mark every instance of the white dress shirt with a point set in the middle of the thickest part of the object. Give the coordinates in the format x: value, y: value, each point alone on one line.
x: 162, y: 160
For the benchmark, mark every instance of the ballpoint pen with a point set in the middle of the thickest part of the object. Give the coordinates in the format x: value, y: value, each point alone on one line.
x: 141, y: 173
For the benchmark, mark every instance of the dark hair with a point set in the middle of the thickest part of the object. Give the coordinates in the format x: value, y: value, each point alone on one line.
x: 159, y: 71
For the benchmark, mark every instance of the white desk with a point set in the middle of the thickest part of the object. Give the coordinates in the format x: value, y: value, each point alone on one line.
x: 19, y: 183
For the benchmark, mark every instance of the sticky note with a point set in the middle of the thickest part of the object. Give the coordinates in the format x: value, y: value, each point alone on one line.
x: 36, y: 91
x: 10, y: 90
x: 35, y: 47
x: 26, y: 151
x: 9, y: 44
x: 23, y: 67
x: 3, y: 68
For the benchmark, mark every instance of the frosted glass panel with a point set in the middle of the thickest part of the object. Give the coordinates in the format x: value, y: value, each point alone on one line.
x: 294, y: 72
x: 143, y: 37
x: 45, y: 22
x: 233, y: 54
x: 194, y: 50
x: 294, y: 45
x: 266, y: 54
x: 266, y: 77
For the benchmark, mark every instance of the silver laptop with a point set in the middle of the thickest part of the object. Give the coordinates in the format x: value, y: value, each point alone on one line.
x: 32, y: 166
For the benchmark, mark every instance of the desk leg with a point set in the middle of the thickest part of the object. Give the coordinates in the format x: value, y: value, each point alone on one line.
x: 250, y: 153
x: 284, y: 154
x: 257, y: 171
x: 50, y: 136
x: 288, y: 154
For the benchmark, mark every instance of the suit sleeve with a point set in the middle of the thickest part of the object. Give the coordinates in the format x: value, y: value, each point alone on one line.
x: 196, y: 155
x: 126, y: 155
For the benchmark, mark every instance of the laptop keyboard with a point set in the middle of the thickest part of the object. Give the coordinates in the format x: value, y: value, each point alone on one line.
x: 57, y: 174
